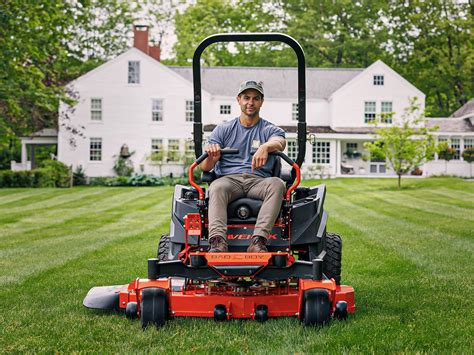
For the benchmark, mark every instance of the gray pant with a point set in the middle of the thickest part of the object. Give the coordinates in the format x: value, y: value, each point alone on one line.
x: 231, y: 187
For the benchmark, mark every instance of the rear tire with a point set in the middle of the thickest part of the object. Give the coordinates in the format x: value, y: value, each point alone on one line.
x: 333, y: 257
x: 316, y: 307
x: 163, y: 248
x: 154, y: 307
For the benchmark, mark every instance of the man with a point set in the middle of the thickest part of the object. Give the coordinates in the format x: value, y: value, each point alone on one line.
x: 244, y: 174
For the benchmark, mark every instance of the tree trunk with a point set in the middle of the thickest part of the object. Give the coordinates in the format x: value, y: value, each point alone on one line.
x: 399, y: 181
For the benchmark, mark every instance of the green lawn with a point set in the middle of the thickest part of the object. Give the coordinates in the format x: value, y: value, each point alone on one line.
x: 409, y: 255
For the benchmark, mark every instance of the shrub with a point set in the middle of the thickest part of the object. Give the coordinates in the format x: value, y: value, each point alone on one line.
x: 43, y: 178
x: 146, y: 180
x: 59, y: 172
x: 468, y: 155
x: 79, y: 176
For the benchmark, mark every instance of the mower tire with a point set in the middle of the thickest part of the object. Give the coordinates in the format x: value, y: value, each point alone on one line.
x: 333, y: 257
x: 154, y: 307
x: 163, y: 248
x: 131, y: 312
x: 316, y: 307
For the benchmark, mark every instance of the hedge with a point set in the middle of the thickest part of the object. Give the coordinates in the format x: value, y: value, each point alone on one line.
x: 52, y: 173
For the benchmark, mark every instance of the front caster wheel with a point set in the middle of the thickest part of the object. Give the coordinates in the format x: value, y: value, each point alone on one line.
x: 131, y: 311
x: 316, y: 307
x: 154, y: 307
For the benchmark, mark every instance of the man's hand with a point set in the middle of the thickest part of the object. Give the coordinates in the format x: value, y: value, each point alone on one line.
x: 214, y: 152
x: 260, y: 157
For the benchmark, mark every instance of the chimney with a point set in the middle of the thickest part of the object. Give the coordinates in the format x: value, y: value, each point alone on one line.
x: 140, y: 41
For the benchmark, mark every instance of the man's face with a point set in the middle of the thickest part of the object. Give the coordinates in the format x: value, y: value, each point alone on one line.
x: 250, y: 102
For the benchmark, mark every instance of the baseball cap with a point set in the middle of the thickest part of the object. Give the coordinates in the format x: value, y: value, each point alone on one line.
x: 251, y: 84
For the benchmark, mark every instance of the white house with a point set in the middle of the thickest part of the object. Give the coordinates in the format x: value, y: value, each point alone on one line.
x: 137, y: 101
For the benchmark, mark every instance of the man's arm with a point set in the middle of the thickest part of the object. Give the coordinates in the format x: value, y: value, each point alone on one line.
x: 261, y: 155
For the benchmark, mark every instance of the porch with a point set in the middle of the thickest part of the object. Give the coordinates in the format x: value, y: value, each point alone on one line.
x: 45, y: 137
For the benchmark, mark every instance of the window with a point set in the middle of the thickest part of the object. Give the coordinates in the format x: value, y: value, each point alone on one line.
x: 294, y: 112
x: 156, y: 145
x: 189, y: 150
x: 173, y: 150
x: 468, y: 142
x: 351, y: 146
x: 189, y: 111
x: 377, y: 166
x: 95, y: 149
x: 292, y: 149
x: 157, y: 110
x: 386, y: 112
x: 225, y: 110
x: 369, y: 111
x: 456, y: 144
x: 321, y: 153
x: 134, y: 72
x: 378, y: 80
x: 96, y: 109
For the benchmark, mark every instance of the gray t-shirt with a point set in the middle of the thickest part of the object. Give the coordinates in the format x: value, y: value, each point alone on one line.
x: 233, y: 134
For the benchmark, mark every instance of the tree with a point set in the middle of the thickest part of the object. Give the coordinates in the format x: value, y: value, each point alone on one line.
x: 208, y: 17
x: 468, y: 155
x: 341, y: 33
x: 446, y: 153
x: 406, y: 144
x: 432, y: 46
x: 47, y: 44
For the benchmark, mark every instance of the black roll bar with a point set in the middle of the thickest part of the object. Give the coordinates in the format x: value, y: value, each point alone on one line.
x: 250, y: 37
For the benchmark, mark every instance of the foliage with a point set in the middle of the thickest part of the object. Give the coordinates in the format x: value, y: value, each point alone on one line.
x: 207, y: 17
x: 46, y: 44
x: 123, y: 165
x: 445, y: 152
x: 79, y: 176
x: 60, y: 172
x: 406, y: 144
x: 52, y: 174
x: 432, y: 47
x: 468, y: 155
x: 137, y: 180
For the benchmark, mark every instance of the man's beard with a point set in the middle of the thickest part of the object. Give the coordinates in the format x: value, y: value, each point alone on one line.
x: 251, y: 114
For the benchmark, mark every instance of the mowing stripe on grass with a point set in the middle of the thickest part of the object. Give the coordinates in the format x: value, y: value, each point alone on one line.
x: 39, y: 224
x: 423, y: 202
x: 55, y: 200
x: 16, y: 196
x: 45, y: 254
x: 418, y: 212
x: 405, y: 238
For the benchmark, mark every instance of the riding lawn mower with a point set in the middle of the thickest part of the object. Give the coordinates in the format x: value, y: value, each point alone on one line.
x: 300, y: 274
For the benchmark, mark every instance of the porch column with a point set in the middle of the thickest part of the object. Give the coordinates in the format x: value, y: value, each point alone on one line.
x: 338, y: 157
x: 32, y: 156
x: 24, y: 155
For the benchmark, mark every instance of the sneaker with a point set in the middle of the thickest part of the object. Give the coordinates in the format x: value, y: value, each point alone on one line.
x: 218, y: 245
x: 257, y: 245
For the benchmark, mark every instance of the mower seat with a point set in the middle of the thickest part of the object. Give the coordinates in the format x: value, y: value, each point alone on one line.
x: 243, y: 210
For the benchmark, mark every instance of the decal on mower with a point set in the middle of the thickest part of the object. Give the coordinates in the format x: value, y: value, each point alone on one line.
x: 247, y: 236
x: 237, y: 256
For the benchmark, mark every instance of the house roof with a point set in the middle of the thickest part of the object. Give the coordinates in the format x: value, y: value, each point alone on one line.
x: 314, y: 129
x: 45, y: 132
x: 466, y: 109
x: 451, y: 124
x: 277, y: 82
